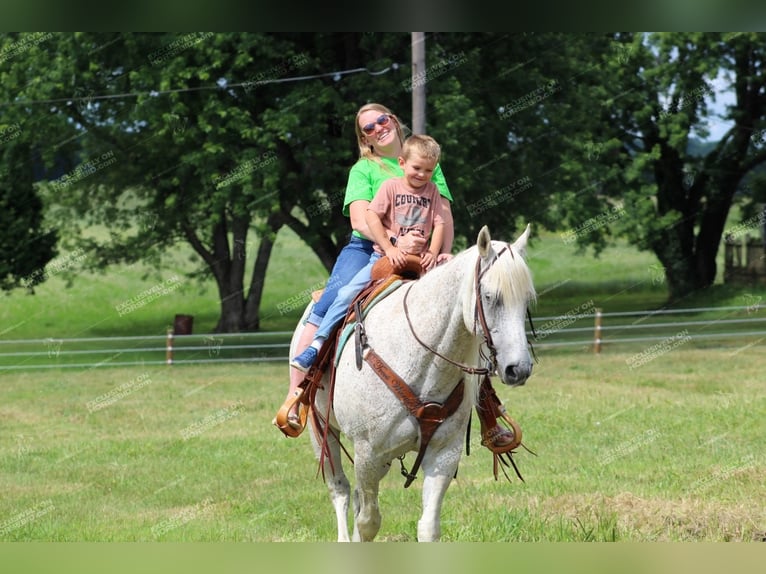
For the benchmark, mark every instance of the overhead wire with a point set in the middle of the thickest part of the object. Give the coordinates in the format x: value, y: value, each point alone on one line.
x: 337, y: 75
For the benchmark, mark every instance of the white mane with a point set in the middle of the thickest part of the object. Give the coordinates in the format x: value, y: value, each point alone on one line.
x: 507, y: 278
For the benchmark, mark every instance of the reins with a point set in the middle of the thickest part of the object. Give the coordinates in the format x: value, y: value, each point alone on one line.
x: 462, y: 366
x: 478, y: 314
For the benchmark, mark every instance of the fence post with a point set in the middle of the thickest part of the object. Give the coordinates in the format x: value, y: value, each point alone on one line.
x: 597, y: 332
x: 169, y: 348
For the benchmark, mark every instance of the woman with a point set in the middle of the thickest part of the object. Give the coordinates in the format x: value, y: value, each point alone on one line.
x: 380, y: 136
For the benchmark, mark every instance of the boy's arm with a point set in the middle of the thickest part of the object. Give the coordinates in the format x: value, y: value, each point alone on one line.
x: 381, y: 237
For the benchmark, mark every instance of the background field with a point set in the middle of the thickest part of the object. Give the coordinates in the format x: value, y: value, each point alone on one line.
x: 82, y: 304
x: 663, y: 452
x: 670, y: 450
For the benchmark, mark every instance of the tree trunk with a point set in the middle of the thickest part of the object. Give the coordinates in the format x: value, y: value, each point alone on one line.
x: 229, y: 273
x: 323, y: 246
x: 674, y: 244
x: 252, y: 317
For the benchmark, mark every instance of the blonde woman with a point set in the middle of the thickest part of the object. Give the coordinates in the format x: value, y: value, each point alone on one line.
x: 380, y: 136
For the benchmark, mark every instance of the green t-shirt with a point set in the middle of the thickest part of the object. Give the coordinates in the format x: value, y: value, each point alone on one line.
x: 367, y: 175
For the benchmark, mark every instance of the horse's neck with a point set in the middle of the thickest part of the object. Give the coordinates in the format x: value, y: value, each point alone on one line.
x: 436, y: 310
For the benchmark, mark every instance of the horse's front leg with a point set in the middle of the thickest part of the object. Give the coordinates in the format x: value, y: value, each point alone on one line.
x: 439, y: 469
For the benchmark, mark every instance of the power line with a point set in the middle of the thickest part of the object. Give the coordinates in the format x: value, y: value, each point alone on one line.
x: 337, y: 75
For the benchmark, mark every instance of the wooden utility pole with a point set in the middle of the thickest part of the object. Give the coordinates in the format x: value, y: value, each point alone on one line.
x: 418, y: 82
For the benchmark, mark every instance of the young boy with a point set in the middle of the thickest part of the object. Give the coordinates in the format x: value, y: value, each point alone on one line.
x: 402, y: 204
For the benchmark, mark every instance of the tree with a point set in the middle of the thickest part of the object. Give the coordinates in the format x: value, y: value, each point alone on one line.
x: 658, y: 95
x: 27, y: 243
x: 165, y: 158
x: 206, y: 139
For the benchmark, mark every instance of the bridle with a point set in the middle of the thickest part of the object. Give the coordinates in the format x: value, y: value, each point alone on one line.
x: 479, y: 318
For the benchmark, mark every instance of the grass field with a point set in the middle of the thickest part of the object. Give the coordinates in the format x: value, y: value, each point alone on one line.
x: 664, y: 452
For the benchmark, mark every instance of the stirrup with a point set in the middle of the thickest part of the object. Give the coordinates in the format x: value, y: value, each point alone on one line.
x: 487, y: 436
x: 287, y: 424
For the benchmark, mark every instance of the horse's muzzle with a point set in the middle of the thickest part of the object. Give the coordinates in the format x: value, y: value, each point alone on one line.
x: 517, y: 375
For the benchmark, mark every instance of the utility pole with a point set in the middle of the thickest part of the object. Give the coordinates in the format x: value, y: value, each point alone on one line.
x: 418, y: 82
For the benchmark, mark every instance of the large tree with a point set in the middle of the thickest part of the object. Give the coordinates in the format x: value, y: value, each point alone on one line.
x: 194, y: 137
x: 654, y: 99
x: 213, y: 138
x: 27, y: 243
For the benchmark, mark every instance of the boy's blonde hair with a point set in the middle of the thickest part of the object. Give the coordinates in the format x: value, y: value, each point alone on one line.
x: 422, y: 145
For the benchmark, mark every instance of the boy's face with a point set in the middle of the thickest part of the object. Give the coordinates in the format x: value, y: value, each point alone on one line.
x: 417, y: 169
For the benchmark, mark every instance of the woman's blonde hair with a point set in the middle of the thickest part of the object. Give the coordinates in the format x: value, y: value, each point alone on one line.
x: 365, y: 149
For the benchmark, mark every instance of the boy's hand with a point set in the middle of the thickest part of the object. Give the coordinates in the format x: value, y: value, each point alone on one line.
x: 427, y: 260
x: 443, y: 258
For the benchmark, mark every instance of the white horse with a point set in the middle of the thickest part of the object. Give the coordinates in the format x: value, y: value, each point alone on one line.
x: 439, y: 311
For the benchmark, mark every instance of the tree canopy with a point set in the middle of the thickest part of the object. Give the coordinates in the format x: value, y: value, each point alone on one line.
x: 216, y: 138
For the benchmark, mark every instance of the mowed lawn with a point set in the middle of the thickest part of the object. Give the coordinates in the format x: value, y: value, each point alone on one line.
x: 671, y: 450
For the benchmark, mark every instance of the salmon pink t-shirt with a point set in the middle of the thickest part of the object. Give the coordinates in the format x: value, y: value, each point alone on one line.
x: 402, y: 209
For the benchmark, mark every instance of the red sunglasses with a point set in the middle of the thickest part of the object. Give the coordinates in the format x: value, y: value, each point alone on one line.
x: 382, y: 121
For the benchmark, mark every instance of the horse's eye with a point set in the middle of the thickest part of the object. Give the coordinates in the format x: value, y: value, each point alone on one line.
x: 489, y: 300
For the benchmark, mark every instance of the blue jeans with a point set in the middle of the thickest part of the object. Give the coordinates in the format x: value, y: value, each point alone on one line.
x: 346, y: 295
x: 354, y: 256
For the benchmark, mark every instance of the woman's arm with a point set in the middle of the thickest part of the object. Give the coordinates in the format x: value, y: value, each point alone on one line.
x: 380, y: 236
x: 449, y: 229
x: 357, y: 211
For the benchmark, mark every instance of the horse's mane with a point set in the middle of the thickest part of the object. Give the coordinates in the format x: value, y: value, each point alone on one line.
x: 507, y: 278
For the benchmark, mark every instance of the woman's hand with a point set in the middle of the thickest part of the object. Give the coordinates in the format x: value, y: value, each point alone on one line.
x: 413, y: 242
x: 396, y: 255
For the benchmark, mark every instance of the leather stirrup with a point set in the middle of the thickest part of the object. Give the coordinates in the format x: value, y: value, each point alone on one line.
x: 281, y: 422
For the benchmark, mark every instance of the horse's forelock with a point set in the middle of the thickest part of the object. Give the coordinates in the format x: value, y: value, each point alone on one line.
x: 508, y: 277
x: 505, y: 276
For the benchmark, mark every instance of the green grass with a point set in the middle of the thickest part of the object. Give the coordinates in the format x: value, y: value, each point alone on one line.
x: 89, y: 306
x: 668, y: 451
x: 568, y: 282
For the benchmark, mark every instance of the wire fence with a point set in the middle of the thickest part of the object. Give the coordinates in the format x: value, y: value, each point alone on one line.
x: 586, y: 328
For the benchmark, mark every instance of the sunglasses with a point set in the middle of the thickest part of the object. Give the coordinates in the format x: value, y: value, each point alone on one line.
x: 382, y: 121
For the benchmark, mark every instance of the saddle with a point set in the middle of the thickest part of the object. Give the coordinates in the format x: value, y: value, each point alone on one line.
x: 383, y: 267
x: 383, y: 274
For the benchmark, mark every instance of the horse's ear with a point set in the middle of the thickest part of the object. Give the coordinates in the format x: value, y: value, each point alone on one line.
x: 484, y: 242
x: 520, y: 245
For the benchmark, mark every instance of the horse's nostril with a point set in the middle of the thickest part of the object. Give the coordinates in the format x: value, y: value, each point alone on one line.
x: 520, y: 372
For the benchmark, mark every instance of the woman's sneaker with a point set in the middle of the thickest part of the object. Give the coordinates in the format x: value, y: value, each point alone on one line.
x: 304, y: 361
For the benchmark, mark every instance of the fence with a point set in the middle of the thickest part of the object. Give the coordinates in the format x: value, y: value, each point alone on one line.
x: 167, y: 349
x: 593, y: 331
x: 609, y: 330
x: 745, y: 260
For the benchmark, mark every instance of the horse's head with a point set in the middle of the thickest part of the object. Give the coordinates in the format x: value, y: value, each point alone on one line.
x: 496, y: 304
